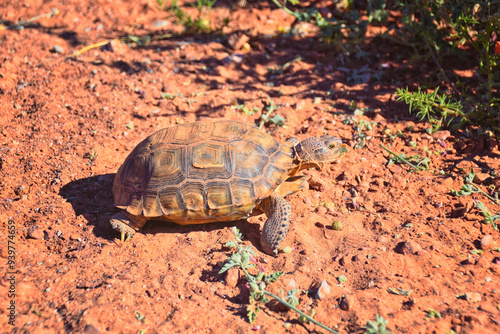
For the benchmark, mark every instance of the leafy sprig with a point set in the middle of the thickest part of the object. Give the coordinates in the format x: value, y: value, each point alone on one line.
x: 242, y: 258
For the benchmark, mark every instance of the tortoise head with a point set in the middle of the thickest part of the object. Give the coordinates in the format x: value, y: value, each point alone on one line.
x: 317, y: 152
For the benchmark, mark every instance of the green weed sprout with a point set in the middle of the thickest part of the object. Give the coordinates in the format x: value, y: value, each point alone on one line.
x: 242, y: 259
x: 377, y: 327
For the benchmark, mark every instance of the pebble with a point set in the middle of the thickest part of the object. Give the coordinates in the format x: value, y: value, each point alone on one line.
x: 337, y: 225
x: 232, y: 277
x: 323, y: 290
x: 74, y: 237
x: 473, y: 297
x: 161, y: 24
x: 49, y: 234
x: 410, y: 247
x: 487, y: 242
x: 347, y: 303
x: 116, y: 46
x: 91, y: 329
x: 57, y: 49
x: 237, y: 39
x: 318, y: 184
x: 482, y: 262
x: 395, y: 169
x: 35, y: 232
x: 345, y: 260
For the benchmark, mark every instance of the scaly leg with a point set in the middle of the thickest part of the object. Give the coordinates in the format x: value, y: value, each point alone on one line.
x: 127, y: 224
x: 278, y: 213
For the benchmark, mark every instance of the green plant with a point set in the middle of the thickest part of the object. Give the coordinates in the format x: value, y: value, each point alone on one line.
x: 265, y: 118
x: 461, y: 29
x: 414, y: 161
x: 433, y: 107
x: 244, y: 109
x: 200, y: 24
x: 469, y: 188
x: 244, y: 259
x: 432, y: 314
x: 379, y: 326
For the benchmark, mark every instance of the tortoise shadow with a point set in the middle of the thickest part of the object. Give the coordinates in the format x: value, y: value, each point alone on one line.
x: 92, y: 198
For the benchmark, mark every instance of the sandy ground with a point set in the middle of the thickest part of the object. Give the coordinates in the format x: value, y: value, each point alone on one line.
x: 67, y: 123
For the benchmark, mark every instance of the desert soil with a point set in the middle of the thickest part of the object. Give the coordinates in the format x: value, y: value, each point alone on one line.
x: 67, y: 123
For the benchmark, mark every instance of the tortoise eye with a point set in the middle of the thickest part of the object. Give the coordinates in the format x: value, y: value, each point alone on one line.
x: 332, y: 146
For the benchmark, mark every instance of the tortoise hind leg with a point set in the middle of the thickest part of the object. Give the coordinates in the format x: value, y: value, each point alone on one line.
x: 127, y: 224
x: 278, y: 213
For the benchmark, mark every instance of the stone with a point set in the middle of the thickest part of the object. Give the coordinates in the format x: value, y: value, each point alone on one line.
x: 116, y: 46
x: 91, y: 329
x: 323, y: 290
x: 409, y: 247
x: 482, y: 262
x: 57, y: 49
x: 237, y: 40
x: 347, y: 303
x: 395, y: 169
x: 487, y: 242
x: 473, y: 297
x: 35, y: 232
x: 318, y: 184
x: 232, y: 277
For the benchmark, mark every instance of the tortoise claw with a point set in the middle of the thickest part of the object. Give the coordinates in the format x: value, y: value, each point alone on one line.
x: 123, y: 236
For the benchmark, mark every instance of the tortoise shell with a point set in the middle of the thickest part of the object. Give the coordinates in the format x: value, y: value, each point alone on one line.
x: 201, y: 172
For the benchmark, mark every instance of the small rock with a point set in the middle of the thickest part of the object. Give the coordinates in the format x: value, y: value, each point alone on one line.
x: 91, y: 329
x: 395, y: 169
x: 323, y: 290
x: 442, y: 135
x: 473, y: 297
x: 487, y: 242
x: 482, y: 262
x: 481, y: 177
x: 491, y: 144
x: 237, y: 39
x: 337, y: 225
x: 486, y: 307
x: 116, y: 46
x: 318, y: 184
x: 409, y: 247
x: 4, y: 253
x: 49, y: 234
x: 161, y: 24
x: 57, y: 49
x: 345, y: 260
x: 74, y: 237
x: 35, y: 232
x: 347, y: 303
x: 232, y: 277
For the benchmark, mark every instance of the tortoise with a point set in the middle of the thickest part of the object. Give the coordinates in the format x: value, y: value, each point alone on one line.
x: 211, y: 171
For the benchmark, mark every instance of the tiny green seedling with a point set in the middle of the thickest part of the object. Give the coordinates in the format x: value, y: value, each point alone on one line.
x: 265, y: 118
x: 244, y: 259
x: 469, y: 188
x: 244, y: 109
x: 415, y: 161
x: 379, y: 326
x: 432, y: 314
x: 342, y: 279
x: 399, y: 291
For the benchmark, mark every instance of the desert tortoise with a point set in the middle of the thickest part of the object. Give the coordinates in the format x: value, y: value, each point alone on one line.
x: 205, y: 172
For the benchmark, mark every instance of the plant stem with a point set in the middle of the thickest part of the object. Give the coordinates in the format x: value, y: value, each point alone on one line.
x: 401, y: 158
x: 479, y: 190
x: 250, y: 278
x: 300, y: 312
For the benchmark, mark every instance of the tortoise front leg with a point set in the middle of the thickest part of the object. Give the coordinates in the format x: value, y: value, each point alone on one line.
x: 278, y: 213
x: 127, y: 224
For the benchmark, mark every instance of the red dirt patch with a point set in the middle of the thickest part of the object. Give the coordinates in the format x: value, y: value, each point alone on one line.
x: 68, y: 123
